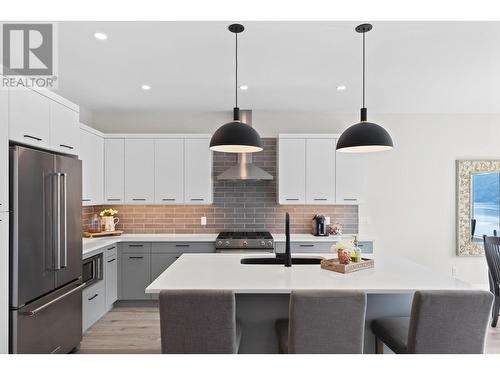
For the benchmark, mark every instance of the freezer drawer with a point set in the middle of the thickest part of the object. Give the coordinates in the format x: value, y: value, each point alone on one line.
x: 52, y: 324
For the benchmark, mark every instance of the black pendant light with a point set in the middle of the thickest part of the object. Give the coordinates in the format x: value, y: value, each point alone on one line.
x: 236, y: 136
x: 364, y: 136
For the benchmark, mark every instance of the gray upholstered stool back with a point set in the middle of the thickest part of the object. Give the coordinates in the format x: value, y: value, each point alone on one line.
x: 327, y: 321
x: 453, y: 321
x: 198, y: 321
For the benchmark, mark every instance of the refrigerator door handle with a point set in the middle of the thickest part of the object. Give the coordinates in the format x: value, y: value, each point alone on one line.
x: 56, y: 222
x: 60, y: 222
x: 63, y: 177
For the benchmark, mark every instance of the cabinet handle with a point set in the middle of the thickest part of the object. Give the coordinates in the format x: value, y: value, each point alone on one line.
x: 112, y: 247
x: 138, y: 199
x: 66, y: 146
x: 182, y: 245
x: 32, y: 137
x: 135, y: 257
x: 132, y: 245
x: 169, y: 199
x: 112, y: 260
x: 304, y: 245
x: 113, y: 199
x: 86, y: 200
x: 197, y: 199
x: 320, y: 199
x: 292, y: 199
x: 350, y: 199
x: 94, y: 296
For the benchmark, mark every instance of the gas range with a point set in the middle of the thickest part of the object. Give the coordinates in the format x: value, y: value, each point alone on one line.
x: 244, y: 241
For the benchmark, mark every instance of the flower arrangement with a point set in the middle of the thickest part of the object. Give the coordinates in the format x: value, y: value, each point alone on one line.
x: 343, y: 245
x: 108, y: 212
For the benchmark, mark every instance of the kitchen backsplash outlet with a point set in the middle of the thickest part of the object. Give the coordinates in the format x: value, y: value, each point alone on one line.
x: 238, y: 206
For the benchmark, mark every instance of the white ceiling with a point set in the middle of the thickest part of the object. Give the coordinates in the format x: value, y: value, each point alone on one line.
x: 412, y: 67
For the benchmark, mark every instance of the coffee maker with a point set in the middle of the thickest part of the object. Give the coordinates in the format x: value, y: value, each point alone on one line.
x: 319, y: 226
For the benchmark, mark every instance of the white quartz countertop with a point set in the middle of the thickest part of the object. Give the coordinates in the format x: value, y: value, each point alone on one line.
x: 224, y: 271
x: 92, y: 245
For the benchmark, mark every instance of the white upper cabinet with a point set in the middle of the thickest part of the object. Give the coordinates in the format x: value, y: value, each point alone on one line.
x: 291, y: 170
x: 169, y: 171
x: 92, y: 156
x: 139, y: 170
x: 114, y: 171
x: 4, y: 151
x: 351, y: 176
x: 44, y: 120
x: 320, y: 171
x: 64, y: 129
x: 29, y: 117
x: 197, y: 171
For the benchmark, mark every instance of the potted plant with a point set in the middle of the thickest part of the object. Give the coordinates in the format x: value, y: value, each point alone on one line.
x: 108, y: 219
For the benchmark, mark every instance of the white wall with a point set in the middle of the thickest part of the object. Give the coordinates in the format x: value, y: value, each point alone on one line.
x: 411, y: 197
x: 411, y: 193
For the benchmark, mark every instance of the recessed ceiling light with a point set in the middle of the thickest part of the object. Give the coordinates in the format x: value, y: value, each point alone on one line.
x: 146, y: 87
x: 243, y: 87
x: 341, y: 88
x: 100, y: 36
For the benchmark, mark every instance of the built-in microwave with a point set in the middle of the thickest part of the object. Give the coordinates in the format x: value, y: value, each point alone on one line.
x: 92, y: 270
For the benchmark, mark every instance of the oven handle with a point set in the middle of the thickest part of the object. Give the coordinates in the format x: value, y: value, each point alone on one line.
x: 244, y: 251
x: 43, y: 307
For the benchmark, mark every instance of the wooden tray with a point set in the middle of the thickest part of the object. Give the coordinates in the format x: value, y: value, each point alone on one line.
x: 102, y: 234
x: 334, y: 265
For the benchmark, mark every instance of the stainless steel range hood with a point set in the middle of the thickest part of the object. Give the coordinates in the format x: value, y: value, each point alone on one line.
x: 245, y: 169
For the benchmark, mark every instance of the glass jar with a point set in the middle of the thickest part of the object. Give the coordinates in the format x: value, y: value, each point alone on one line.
x: 95, y: 224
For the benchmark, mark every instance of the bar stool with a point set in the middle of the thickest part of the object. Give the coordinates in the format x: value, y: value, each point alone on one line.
x: 441, y: 322
x: 323, y: 322
x: 199, y: 322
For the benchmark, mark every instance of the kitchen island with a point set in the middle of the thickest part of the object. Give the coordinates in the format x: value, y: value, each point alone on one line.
x: 262, y: 291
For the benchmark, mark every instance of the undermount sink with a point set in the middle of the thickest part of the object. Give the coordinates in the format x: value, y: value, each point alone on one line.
x: 280, y: 261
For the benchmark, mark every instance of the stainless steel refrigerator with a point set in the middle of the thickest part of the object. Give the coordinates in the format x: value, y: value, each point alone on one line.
x: 45, y: 252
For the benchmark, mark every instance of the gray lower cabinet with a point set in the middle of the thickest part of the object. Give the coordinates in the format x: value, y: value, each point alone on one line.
x: 93, y: 304
x: 111, y: 279
x: 159, y: 263
x: 319, y: 247
x: 136, y: 274
x: 183, y: 247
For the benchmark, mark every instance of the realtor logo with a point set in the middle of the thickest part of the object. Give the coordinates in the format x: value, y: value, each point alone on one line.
x: 28, y: 55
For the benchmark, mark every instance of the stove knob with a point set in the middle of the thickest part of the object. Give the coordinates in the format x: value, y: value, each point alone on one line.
x: 227, y: 243
x: 270, y: 243
x: 245, y: 243
x: 262, y: 243
x: 219, y: 243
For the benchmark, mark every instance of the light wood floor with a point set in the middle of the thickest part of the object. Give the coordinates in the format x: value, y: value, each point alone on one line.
x: 134, y: 327
x: 131, y: 327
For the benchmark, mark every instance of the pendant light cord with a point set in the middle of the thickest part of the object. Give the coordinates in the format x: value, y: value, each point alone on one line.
x: 364, y: 70
x: 236, y: 77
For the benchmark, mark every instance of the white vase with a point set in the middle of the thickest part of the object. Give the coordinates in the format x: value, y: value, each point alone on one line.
x: 109, y: 223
